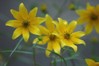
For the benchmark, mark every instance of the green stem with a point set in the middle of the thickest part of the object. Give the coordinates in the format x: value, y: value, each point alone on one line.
x: 34, y: 55
x: 54, y: 61
x: 24, y: 52
x: 5, y: 64
x: 55, y: 54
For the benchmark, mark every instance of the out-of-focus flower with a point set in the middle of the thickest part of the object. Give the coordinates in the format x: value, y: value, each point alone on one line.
x: 72, y: 6
x: 50, y: 36
x: 90, y: 17
x: 43, y: 8
x: 91, y: 62
x: 67, y: 36
x: 94, y: 39
x: 25, y: 22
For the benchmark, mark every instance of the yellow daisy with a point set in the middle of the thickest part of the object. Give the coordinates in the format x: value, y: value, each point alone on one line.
x: 50, y: 36
x: 25, y: 22
x: 91, y: 62
x: 90, y: 17
x: 67, y: 36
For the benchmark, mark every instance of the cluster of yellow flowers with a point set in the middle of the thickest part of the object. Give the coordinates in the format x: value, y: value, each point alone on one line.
x: 57, y: 34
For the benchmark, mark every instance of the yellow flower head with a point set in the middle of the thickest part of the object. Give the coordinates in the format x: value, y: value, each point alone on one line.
x: 90, y: 17
x: 50, y: 36
x: 91, y: 62
x: 25, y: 22
x: 67, y: 36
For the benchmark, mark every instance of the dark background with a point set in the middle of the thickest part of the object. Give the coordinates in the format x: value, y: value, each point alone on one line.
x: 55, y: 8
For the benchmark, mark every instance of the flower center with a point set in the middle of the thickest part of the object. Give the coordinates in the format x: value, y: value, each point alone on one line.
x: 52, y: 37
x: 67, y: 36
x: 94, y: 17
x: 25, y: 24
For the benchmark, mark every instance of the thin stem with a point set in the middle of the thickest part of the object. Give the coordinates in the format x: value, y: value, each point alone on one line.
x: 24, y: 52
x: 72, y: 60
x: 16, y: 47
x: 34, y: 55
x: 55, y: 54
x: 54, y: 61
x: 5, y: 64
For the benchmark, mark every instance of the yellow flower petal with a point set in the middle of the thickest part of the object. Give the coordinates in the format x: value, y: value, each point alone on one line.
x: 56, y: 47
x: 23, y: 11
x: 81, y: 12
x: 13, y: 23
x: 71, y: 26
x: 90, y: 62
x: 45, y: 39
x: 25, y: 34
x: 34, y: 30
x: 43, y: 30
x: 89, y: 7
x: 88, y: 28
x: 97, y: 63
x: 97, y: 27
x: 40, y: 20
x: 49, y: 23
x: 78, y: 34
x: 49, y: 49
x: 70, y: 44
x: 16, y: 14
x: 33, y: 12
x: 41, y: 41
x: 97, y: 8
x: 77, y: 41
x: 82, y: 20
x: 17, y: 33
x: 62, y: 25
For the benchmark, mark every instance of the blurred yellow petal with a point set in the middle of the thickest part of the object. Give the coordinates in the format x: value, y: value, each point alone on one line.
x: 88, y: 28
x: 34, y: 30
x: 78, y: 34
x: 35, y: 41
x: 17, y: 33
x: 49, y: 49
x: 13, y: 23
x: 90, y: 62
x: 77, y: 41
x: 97, y: 8
x: 97, y: 27
x: 71, y: 26
x: 56, y: 47
x: 82, y: 20
x: 43, y: 30
x: 89, y: 7
x: 81, y: 12
x: 49, y: 23
x: 25, y: 34
x: 33, y: 12
x: 16, y: 14
x: 97, y: 63
x: 23, y: 11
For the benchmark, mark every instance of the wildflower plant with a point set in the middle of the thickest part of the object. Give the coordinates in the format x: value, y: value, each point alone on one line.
x: 53, y: 36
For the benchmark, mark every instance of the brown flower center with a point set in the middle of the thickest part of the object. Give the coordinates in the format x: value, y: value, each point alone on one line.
x: 52, y: 37
x: 67, y: 36
x: 94, y: 17
x: 25, y: 24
